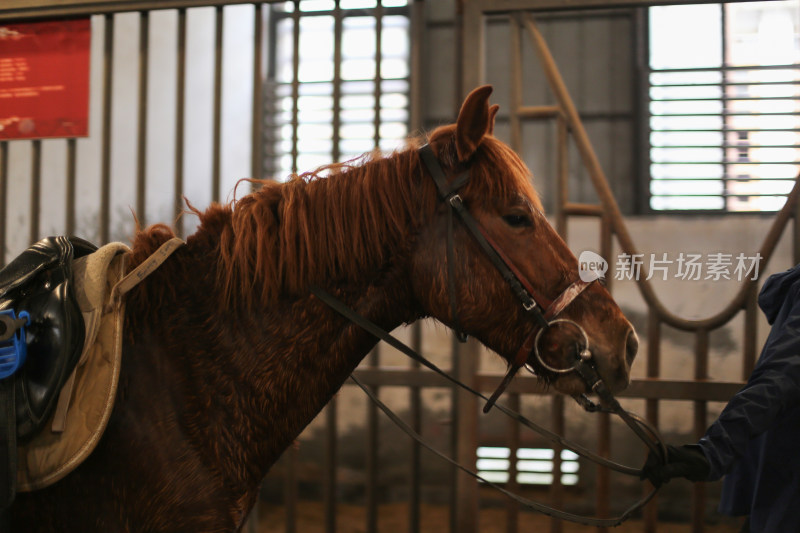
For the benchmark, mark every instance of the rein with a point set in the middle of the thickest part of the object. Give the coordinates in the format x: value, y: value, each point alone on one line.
x: 531, y: 303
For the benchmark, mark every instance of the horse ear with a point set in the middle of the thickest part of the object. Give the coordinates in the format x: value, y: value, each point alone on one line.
x: 475, y: 120
x: 492, y: 114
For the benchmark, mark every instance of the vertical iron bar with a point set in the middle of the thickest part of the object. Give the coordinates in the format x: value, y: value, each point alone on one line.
x: 217, y: 139
x: 651, y: 406
x: 415, y: 477
x: 750, y: 331
x: 372, y: 451
x: 603, y: 474
x: 415, y: 124
x: 256, y: 163
x: 71, y: 185
x: 141, y: 148
x: 3, y: 200
x: 377, y: 92
x: 467, y: 499
x: 557, y: 489
x: 562, y: 171
x: 415, y: 59
x: 512, y: 507
x: 329, y: 498
x: 180, y: 111
x: 700, y: 417
x: 295, y: 82
x: 36, y: 190
x: 337, y: 80
x: 105, y: 172
x: 516, y: 84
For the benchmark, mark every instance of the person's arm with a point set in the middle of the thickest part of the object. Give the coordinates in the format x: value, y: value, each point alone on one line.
x: 773, y: 388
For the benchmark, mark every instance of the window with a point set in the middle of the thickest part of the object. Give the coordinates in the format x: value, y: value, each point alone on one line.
x: 534, y: 465
x: 339, y: 81
x: 724, y: 118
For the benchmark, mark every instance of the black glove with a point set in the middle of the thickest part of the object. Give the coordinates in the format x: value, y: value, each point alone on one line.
x: 687, y: 461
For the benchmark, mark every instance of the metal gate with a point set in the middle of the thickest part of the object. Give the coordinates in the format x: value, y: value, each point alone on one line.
x: 88, y: 186
x: 655, y: 390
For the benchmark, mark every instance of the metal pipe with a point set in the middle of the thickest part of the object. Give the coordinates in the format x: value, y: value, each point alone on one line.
x: 71, y: 184
x: 256, y: 135
x: 36, y: 190
x: 216, y: 150
x: 105, y: 166
x: 141, y: 141
x: 180, y: 110
x: 3, y: 200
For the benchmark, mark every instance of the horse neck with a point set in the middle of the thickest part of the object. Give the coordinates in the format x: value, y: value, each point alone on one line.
x: 275, y: 366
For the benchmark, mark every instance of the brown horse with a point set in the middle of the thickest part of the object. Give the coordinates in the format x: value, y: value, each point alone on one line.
x: 228, y: 355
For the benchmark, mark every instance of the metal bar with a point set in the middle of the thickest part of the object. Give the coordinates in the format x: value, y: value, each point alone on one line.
x: 415, y: 68
x: 295, y: 81
x: 651, y: 405
x: 750, y: 333
x: 583, y: 210
x: 71, y: 185
x: 603, y: 483
x: 515, y: 49
x: 512, y: 507
x: 105, y: 166
x: 562, y: 171
x: 180, y: 111
x: 377, y: 81
x: 372, y: 451
x: 337, y: 81
x: 415, y: 408
x: 36, y: 190
x: 3, y: 200
x: 540, y: 111
x: 141, y: 141
x: 256, y: 136
x: 330, y: 467
x: 466, y: 503
x: 731, y: 130
x: 726, y: 67
x: 723, y: 146
x: 721, y: 113
x: 557, y: 488
x: 216, y: 164
x: 729, y: 84
x: 700, y: 416
x: 27, y: 9
x: 726, y: 162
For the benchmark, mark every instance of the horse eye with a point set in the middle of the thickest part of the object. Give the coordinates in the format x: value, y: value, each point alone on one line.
x: 517, y: 221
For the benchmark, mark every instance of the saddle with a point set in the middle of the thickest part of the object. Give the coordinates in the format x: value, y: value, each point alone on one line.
x: 39, y: 282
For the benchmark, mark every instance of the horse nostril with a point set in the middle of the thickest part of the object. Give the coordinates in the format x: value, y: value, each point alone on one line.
x: 631, y: 347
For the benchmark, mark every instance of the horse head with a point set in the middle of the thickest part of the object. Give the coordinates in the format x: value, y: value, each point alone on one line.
x: 568, y: 318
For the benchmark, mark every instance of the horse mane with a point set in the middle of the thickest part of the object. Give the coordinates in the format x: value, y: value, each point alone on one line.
x: 338, y: 222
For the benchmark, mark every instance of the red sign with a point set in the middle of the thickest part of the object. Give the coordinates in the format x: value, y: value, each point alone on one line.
x: 44, y: 79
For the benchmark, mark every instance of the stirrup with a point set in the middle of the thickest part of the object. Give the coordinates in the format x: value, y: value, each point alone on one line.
x: 13, y: 348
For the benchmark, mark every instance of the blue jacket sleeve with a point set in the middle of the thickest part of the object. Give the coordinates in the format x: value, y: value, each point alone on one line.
x: 773, y: 388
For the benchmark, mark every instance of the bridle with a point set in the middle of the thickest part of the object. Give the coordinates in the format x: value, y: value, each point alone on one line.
x: 531, y: 301
x: 545, y: 313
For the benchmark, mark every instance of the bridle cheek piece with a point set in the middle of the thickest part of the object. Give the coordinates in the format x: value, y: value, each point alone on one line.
x: 519, y: 284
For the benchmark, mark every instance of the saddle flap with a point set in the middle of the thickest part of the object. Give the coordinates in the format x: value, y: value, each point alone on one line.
x: 39, y: 281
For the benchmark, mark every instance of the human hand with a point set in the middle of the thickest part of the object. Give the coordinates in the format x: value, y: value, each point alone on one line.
x: 686, y: 461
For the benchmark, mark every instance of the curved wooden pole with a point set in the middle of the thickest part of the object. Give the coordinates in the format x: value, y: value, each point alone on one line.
x: 610, y: 206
